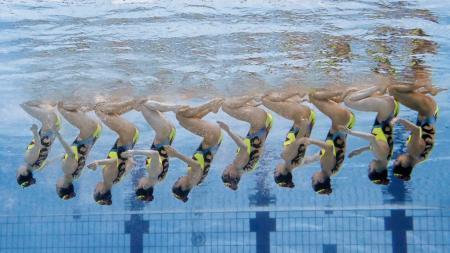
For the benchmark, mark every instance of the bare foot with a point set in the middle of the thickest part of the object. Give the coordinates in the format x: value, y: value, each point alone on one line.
x: 218, y: 102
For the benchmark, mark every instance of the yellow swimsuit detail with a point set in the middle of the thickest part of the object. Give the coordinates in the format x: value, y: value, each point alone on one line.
x: 252, y: 147
x: 49, y: 137
x: 293, y: 133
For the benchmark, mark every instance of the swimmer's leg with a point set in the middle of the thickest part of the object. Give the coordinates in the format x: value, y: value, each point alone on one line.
x: 117, y: 107
x: 255, y: 116
x: 45, y: 114
x: 163, y: 107
x: 80, y: 120
x: 362, y: 101
x: 416, y: 101
x: 157, y: 121
x: 125, y: 129
x: 209, y: 131
x: 339, y: 115
x: 292, y: 111
x: 202, y: 110
x: 32, y: 154
x: 325, y: 94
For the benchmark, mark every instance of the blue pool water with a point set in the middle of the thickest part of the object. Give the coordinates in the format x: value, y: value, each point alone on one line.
x: 191, y: 51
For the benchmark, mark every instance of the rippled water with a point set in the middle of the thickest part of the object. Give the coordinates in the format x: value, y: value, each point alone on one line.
x: 194, y: 51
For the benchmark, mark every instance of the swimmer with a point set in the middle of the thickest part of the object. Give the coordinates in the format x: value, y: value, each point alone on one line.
x: 381, y: 138
x: 422, y: 138
x: 303, y: 121
x: 116, y: 166
x: 77, y: 153
x: 332, y: 152
x: 157, y: 160
x: 200, y: 163
x: 251, y: 147
x: 38, y: 150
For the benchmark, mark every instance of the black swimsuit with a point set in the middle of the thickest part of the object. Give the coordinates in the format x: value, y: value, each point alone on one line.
x: 116, y: 153
x: 46, y: 140
x: 427, y: 133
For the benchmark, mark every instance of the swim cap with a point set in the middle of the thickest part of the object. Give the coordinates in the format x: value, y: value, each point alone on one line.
x: 180, y: 194
x: 103, y: 198
x: 66, y: 193
x: 323, y: 187
x: 144, y: 194
x: 26, y: 180
x: 284, y: 180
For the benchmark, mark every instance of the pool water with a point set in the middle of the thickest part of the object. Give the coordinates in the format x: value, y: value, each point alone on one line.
x: 189, y: 52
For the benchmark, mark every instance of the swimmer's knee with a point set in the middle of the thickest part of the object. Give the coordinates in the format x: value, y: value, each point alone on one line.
x: 179, y: 116
x: 393, y: 91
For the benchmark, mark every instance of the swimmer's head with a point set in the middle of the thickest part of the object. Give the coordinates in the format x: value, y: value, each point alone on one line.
x: 65, y: 193
x: 321, y: 183
x: 231, y: 178
x: 144, y: 190
x: 403, y: 167
x: 144, y: 194
x: 25, y: 177
x: 102, y: 195
x: 378, y: 173
x: 181, y: 189
x: 283, y: 177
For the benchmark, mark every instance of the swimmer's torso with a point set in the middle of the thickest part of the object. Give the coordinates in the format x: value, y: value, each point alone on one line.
x: 163, y: 157
x: 81, y: 149
x: 384, y: 131
x: 204, y: 158
x: 47, y: 138
x: 427, y: 134
x: 255, y: 143
x: 122, y: 165
x: 294, y: 133
x: 337, y: 140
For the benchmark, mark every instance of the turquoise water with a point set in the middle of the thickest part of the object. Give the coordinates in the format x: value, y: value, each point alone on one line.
x: 191, y: 51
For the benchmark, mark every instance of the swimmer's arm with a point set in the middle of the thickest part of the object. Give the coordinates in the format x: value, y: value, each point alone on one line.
x: 236, y: 138
x: 362, y: 135
x: 320, y: 144
x: 32, y: 154
x: 407, y: 124
x: 174, y: 153
x: 95, y: 164
x: 65, y: 145
x: 311, y: 159
x: 152, y: 153
x: 407, y: 87
x: 358, y: 151
x: 36, y: 136
x: 54, y: 159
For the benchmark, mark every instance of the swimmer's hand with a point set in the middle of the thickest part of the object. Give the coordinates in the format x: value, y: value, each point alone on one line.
x: 34, y: 128
x: 304, y: 140
x: 93, y: 166
x: 127, y: 154
x: 223, y: 126
x: 354, y: 153
x: 348, y: 91
x: 434, y: 90
x: 138, y: 102
x: 395, y: 120
x: 344, y: 129
x: 170, y: 150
